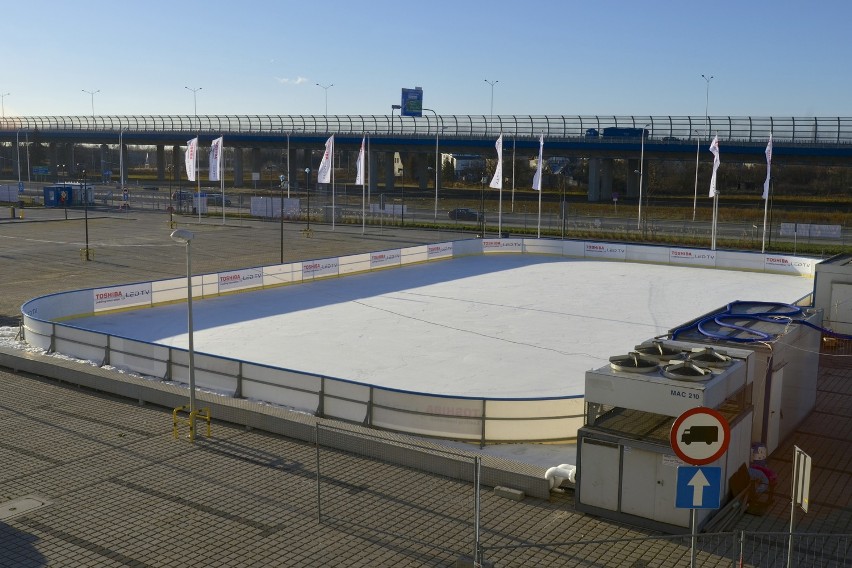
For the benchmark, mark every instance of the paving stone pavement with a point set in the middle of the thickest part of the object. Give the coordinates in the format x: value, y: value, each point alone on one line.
x: 118, y: 490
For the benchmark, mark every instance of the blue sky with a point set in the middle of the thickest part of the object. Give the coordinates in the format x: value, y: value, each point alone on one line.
x: 550, y: 57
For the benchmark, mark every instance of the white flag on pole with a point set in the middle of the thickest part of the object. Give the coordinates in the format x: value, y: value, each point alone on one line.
x: 359, y: 165
x: 324, y: 172
x: 497, y: 180
x: 714, y: 148
x: 768, y: 167
x: 536, y: 185
x: 191, y: 158
x: 215, y: 158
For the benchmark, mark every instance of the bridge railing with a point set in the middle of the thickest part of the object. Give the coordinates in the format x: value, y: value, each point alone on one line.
x: 802, y: 130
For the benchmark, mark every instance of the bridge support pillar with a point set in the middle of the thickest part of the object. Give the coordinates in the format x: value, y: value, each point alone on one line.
x: 53, y: 150
x: 390, y: 171
x: 105, y: 163
x: 417, y: 165
x: 632, y: 188
x: 600, y: 179
x: 177, y: 163
x: 290, y: 160
x: 256, y: 166
x: 161, y: 162
x: 238, y: 167
x: 372, y: 177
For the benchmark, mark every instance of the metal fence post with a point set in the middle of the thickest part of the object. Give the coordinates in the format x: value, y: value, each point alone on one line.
x: 477, y: 552
x: 316, y: 444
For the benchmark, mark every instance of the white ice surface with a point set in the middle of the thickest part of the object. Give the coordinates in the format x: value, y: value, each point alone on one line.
x: 513, y: 326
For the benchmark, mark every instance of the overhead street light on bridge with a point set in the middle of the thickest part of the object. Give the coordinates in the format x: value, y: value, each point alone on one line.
x: 326, y: 88
x: 92, y: 95
x: 3, y: 103
x: 194, y: 100
x: 492, y: 83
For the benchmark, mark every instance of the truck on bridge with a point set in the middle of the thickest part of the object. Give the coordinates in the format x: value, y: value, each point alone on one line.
x: 617, y: 132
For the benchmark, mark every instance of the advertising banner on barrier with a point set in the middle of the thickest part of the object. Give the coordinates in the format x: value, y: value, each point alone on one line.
x: 317, y: 268
x: 789, y: 264
x: 502, y: 245
x: 611, y: 251
x: 125, y: 296
x: 440, y: 250
x: 385, y: 258
x: 238, y: 279
x: 692, y: 257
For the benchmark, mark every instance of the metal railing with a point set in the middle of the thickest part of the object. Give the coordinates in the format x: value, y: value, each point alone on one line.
x: 797, y: 130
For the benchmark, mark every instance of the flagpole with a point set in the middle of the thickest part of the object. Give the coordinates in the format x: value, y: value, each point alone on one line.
x: 766, y: 186
x: 540, y: 191
x: 197, y: 178
x: 221, y: 167
x: 765, y: 212
x: 363, y: 165
x: 500, y: 196
x: 333, y: 208
x: 715, y: 216
x: 514, y: 143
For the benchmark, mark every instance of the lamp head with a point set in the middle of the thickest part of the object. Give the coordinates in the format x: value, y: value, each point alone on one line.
x: 182, y: 236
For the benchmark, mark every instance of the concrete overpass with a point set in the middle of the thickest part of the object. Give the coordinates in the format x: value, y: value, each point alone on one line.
x: 815, y: 140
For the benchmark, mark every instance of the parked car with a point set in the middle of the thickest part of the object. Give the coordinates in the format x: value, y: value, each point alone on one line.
x: 465, y: 214
x: 216, y: 199
x: 183, y: 195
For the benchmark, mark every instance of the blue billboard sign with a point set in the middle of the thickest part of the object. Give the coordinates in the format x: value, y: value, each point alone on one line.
x: 412, y: 102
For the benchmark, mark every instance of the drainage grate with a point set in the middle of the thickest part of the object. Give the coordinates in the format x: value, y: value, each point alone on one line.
x: 21, y: 505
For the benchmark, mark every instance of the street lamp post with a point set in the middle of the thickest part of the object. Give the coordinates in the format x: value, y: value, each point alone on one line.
x: 86, y: 210
x: 308, y: 191
x: 437, y: 170
x: 326, y: 88
x: 393, y: 108
x: 3, y: 103
x: 492, y: 83
x: 194, y: 100
x: 641, y: 175
x: 698, y: 141
x: 92, y: 94
x: 185, y: 236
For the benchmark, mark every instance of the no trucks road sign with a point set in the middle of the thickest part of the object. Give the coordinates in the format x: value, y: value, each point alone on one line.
x: 700, y: 436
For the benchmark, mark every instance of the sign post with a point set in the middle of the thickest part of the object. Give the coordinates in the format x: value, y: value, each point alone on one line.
x: 800, y: 493
x: 699, y: 437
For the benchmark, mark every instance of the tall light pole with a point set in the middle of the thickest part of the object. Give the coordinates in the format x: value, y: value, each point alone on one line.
x: 308, y: 191
x: 698, y: 141
x: 437, y: 132
x: 326, y: 87
x: 92, y: 95
x: 184, y: 237
x: 492, y: 83
x: 393, y: 108
x: 86, y: 209
x: 3, y: 103
x: 194, y: 100
x: 641, y: 175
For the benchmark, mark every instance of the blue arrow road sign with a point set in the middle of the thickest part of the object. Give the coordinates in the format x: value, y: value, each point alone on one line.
x: 698, y: 487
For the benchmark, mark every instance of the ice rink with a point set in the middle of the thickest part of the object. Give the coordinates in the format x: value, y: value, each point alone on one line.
x: 495, y: 326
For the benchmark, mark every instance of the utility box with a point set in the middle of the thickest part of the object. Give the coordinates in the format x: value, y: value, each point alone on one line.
x: 627, y: 469
x: 58, y: 196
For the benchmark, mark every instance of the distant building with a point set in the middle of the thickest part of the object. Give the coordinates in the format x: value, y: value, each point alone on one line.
x: 467, y: 167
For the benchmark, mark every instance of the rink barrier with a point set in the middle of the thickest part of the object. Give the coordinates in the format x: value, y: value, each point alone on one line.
x: 48, y: 325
